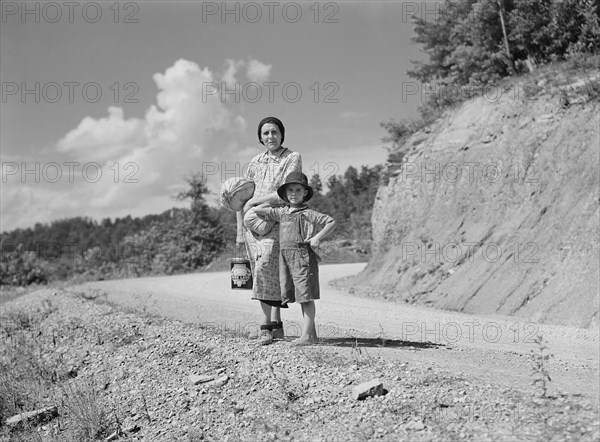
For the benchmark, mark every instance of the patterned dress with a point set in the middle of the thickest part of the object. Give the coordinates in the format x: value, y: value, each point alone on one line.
x: 268, y: 173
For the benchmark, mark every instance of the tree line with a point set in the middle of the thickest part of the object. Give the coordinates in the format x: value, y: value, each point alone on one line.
x: 472, y: 45
x: 480, y: 42
x: 179, y: 240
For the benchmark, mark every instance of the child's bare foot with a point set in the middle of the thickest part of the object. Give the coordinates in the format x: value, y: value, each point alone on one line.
x: 305, y: 340
x: 312, y: 333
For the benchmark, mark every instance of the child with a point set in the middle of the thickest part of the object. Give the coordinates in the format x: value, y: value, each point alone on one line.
x: 300, y: 231
x: 235, y: 192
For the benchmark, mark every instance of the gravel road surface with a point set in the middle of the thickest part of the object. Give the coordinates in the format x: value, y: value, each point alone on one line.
x: 494, y: 349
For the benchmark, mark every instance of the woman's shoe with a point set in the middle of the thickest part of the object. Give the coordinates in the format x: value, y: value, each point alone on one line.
x: 277, y: 330
x: 266, y: 334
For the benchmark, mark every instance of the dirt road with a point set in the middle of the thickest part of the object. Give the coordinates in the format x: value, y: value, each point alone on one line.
x: 493, y: 349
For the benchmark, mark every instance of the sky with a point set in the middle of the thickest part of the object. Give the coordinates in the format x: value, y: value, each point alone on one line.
x: 107, y: 107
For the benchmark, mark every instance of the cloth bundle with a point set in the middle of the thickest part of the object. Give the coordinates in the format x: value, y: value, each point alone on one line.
x: 229, y: 189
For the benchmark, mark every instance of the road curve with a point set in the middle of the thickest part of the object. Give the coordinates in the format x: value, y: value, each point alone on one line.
x: 495, y: 349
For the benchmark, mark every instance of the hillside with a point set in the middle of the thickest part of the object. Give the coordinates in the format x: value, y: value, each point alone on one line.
x: 494, y: 208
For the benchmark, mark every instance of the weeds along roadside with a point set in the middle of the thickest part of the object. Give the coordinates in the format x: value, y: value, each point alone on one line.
x: 39, y: 368
x: 36, y: 372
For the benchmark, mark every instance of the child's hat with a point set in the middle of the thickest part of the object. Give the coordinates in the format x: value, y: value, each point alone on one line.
x: 229, y: 189
x: 295, y: 178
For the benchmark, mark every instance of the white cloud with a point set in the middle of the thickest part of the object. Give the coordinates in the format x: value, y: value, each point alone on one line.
x: 141, y: 159
x: 105, y: 138
x: 231, y: 70
x: 257, y: 71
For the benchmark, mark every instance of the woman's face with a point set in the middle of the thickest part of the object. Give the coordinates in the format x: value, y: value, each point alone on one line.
x: 270, y: 136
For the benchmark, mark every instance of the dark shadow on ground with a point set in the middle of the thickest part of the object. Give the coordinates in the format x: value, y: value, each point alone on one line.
x: 376, y: 342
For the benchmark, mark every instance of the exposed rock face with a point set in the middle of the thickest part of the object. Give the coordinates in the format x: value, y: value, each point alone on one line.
x: 495, y: 209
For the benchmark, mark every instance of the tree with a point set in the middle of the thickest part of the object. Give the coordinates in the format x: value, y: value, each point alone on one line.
x: 349, y: 200
x: 316, y: 183
x: 195, y: 193
x: 530, y: 34
x: 589, y: 37
x: 476, y: 43
x: 202, y: 231
x: 575, y: 27
x: 439, y: 40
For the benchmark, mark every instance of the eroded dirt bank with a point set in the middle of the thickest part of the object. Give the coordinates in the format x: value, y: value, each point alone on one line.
x: 495, y: 208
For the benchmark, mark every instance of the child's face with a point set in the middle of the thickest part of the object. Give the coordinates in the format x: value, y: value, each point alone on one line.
x: 295, y: 193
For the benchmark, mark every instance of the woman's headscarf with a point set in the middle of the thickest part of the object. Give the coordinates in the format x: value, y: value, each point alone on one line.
x: 277, y: 122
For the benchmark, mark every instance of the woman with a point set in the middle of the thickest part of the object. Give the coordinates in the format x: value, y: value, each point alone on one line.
x: 268, y: 171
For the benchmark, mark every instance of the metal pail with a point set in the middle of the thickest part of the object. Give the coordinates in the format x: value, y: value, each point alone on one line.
x: 241, y: 274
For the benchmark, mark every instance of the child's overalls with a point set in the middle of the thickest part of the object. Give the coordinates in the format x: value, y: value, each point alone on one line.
x: 298, y: 267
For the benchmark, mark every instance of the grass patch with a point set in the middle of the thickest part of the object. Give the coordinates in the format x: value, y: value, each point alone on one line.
x: 89, y: 418
x: 37, y: 371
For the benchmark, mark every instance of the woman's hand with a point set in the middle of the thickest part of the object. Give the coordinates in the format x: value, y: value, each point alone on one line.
x: 271, y: 199
x: 252, y: 202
